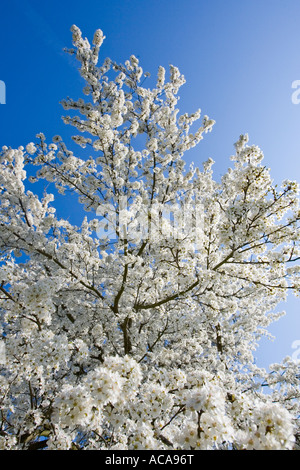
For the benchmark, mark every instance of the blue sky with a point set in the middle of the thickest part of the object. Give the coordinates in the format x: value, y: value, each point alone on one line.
x: 239, y: 58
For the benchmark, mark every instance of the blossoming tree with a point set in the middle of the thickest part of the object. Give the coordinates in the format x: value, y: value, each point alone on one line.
x: 136, y: 330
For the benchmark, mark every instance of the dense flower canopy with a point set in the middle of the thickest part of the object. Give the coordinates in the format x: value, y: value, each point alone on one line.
x: 136, y: 330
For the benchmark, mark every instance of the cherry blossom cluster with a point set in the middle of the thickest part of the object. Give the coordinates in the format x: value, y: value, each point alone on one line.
x: 142, y: 342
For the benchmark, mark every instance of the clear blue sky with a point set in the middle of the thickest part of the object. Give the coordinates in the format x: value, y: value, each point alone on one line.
x: 239, y: 58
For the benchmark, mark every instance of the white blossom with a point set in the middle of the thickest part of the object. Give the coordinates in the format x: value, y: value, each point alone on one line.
x: 138, y: 328
x: 31, y: 148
